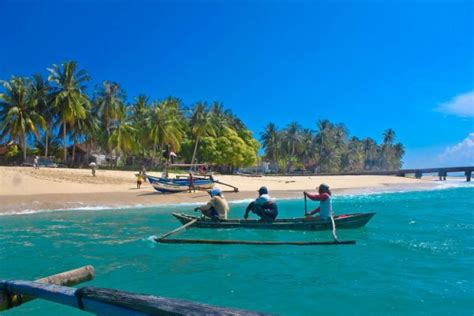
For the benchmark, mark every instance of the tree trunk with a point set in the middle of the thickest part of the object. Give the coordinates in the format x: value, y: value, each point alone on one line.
x: 46, y: 143
x: 154, y: 153
x: 25, y: 147
x: 195, y: 149
x: 65, y: 144
x: 73, y: 151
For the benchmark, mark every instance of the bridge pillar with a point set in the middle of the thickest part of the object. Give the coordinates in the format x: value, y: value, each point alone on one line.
x: 468, y: 175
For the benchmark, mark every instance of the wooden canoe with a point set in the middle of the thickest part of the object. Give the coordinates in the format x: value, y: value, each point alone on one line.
x: 345, y: 221
x: 166, y: 185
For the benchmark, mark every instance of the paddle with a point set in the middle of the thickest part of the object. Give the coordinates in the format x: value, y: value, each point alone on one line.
x: 334, y: 229
x: 305, y: 205
x: 176, y: 230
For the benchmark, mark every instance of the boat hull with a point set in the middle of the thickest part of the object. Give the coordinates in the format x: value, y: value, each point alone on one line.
x: 165, y: 185
x: 346, y: 221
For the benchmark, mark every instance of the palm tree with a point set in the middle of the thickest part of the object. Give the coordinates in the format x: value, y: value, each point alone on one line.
x: 122, y: 133
x: 370, y: 153
x: 201, y: 124
x: 85, y: 129
x: 166, y: 125
x: 307, y: 146
x: 324, y: 140
x: 389, y: 136
x: 41, y: 90
x: 109, y: 101
x: 141, y: 114
x: 18, y: 113
x: 399, y: 152
x: 219, y: 118
x: 271, y: 142
x: 69, y: 96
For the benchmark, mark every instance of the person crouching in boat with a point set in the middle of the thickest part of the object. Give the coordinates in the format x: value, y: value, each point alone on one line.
x: 264, y: 206
x: 217, y: 207
x: 325, y: 204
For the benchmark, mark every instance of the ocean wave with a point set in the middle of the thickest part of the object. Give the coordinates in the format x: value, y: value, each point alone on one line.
x: 444, y: 185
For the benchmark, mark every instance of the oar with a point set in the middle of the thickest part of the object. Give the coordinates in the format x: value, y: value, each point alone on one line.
x: 334, y: 229
x: 176, y: 230
x: 305, y: 206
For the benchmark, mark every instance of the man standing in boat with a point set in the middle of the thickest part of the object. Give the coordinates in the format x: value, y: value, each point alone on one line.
x: 325, y: 205
x: 264, y: 206
x: 217, y: 207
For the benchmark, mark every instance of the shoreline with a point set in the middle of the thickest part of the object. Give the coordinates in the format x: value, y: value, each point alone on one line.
x: 24, y: 190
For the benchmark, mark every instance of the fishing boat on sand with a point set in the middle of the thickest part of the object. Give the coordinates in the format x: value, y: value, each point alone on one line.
x: 344, y: 221
x: 168, y: 185
x: 181, y: 183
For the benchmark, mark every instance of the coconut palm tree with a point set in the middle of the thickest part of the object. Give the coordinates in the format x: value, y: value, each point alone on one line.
x: 271, y: 142
x: 122, y: 138
x: 166, y: 125
x: 370, y: 148
x: 109, y: 101
x: 69, y: 97
x: 201, y: 124
x: 41, y: 91
x: 324, y: 140
x: 389, y: 136
x: 19, y: 115
x: 219, y: 118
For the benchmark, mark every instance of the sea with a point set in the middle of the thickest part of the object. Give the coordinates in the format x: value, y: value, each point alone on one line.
x: 415, y: 257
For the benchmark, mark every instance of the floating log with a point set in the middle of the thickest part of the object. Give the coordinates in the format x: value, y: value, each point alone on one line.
x: 177, y: 230
x: 250, y: 242
x: 112, y: 302
x: 67, y: 278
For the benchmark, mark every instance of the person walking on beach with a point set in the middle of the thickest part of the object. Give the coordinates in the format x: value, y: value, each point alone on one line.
x: 325, y: 205
x: 93, y: 166
x: 139, y: 179
x: 191, y: 183
x: 35, y: 162
x: 217, y: 207
x: 264, y: 207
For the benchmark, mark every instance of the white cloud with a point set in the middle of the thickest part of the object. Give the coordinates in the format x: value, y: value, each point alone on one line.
x: 461, y: 105
x: 459, y: 155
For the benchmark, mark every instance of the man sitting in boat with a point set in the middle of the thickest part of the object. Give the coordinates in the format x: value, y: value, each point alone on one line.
x: 217, y: 207
x: 264, y: 206
x: 324, y: 198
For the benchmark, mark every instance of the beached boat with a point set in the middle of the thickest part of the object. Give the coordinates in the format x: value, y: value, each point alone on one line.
x: 345, y: 221
x: 167, y: 185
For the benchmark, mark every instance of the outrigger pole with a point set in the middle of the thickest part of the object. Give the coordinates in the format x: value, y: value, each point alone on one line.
x: 105, y: 301
x: 71, y: 277
x: 162, y: 239
x: 251, y: 242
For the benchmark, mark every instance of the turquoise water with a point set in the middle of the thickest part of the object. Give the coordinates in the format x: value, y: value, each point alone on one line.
x: 415, y: 257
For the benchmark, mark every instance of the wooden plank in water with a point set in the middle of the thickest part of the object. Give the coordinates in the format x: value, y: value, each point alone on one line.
x: 251, y: 242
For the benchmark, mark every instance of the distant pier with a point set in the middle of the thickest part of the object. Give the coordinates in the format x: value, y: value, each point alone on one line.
x: 441, y: 172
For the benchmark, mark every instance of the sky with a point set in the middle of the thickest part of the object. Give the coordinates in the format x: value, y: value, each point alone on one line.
x: 372, y: 65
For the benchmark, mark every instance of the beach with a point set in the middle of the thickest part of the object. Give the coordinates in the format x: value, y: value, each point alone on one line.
x: 24, y: 189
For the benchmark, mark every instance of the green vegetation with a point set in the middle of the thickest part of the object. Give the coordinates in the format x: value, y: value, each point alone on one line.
x: 47, y: 117
x: 329, y: 149
x: 54, y: 114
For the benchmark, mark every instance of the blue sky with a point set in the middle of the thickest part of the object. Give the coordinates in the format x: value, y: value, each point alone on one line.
x: 372, y: 65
